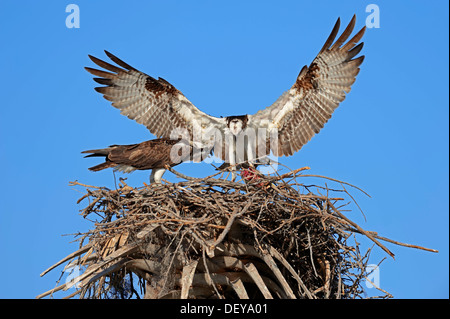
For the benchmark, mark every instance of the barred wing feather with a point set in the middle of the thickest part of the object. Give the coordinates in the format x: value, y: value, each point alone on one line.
x: 155, y: 103
x: 302, y: 111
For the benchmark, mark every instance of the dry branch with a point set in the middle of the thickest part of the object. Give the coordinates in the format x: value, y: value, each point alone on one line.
x: 267, y: 237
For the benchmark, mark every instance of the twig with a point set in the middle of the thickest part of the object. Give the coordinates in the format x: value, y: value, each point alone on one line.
x: 275, y: 225
x: 336, y: 180
x: 369, y: 235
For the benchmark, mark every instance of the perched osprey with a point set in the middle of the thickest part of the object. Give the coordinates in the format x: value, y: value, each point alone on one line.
x: 282, y: 128
x: 154, y: 154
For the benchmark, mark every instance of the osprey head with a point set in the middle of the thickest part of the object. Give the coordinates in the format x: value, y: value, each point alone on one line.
x: 237, y: 124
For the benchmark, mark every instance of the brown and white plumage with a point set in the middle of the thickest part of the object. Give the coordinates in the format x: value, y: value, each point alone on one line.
x: 303, y: 110
x: 154, y: 154
x: 155, y: 103
x: 295, y: 117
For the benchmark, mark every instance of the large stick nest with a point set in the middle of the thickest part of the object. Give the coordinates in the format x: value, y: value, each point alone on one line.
x: 265, y: 237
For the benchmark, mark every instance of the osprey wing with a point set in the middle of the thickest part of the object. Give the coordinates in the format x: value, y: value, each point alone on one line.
x: 155, y: 103
x: 303, y: 110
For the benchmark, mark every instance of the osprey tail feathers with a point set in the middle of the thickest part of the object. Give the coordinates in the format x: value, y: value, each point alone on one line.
x: 99, y: 153
x: 114, y: 157
x: 102, y: 166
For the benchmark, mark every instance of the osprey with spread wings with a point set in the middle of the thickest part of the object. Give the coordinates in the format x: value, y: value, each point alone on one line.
x: 282, y: 128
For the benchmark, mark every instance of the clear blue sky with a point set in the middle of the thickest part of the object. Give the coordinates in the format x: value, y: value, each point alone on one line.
x: 390, y: 136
